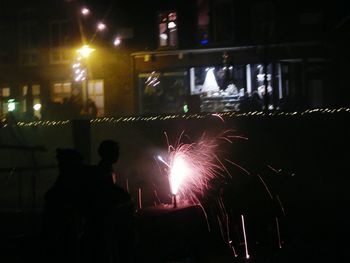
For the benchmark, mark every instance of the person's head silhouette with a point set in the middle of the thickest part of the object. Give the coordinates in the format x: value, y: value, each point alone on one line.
x: 68, y: 159
x: 109, y: 151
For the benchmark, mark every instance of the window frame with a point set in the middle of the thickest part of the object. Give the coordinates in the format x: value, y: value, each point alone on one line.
x: 166, y: 13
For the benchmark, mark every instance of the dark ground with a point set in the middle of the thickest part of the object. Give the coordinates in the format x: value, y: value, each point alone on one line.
x: 314, y: 187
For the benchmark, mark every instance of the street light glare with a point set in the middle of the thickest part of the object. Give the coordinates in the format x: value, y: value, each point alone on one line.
x: 85, y: 11
x: 85, y: 51
x: 117, y: 41
x: 101, y: 26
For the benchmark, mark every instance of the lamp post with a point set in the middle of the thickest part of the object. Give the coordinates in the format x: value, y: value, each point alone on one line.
x: 82, y: 74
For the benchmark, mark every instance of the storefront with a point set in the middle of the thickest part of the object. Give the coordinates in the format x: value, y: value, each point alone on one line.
x: 221, y: 80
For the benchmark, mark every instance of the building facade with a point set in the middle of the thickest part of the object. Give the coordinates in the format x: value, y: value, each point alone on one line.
x: 159, y: 56
x: 221, y: 55
x: 42, y: 73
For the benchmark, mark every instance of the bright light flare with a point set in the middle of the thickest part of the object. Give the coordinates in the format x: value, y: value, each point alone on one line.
x: 101, y: 26
x: 117, y: 41
x: 180, y: 170
x: 85, y: 51
x: 85, y: 11
x: 37, y: 107
x: 171, y: 25
x: 11, y: 106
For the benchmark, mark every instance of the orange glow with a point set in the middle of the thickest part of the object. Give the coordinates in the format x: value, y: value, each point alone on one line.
x: 85, y: 51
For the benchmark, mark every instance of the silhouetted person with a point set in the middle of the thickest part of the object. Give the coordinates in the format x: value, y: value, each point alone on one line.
x: 110, y: 219
x: 62, y: 216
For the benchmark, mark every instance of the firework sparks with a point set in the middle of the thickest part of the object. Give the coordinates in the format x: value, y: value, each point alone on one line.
x: 140, y: 198
x: 219, y: 116
x: 278, y: 233
x: 245, y: 238
x: 192, y: 166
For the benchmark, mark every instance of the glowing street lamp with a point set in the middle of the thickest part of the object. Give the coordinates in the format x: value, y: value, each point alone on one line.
x: 82, y: 74
x: 117, y: 41
x: 85, y: 11
x: 101, y: 26
x: 85, y: 51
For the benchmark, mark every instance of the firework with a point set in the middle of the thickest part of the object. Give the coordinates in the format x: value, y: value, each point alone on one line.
x: 193, y: 169
x: 245, y: 239
x: 191, y: 166
x: 278, y: 233
x: 140, y: 198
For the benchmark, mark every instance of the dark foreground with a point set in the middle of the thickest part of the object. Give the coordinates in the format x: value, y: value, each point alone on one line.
x: 314, y: 189
x: 314, y: 234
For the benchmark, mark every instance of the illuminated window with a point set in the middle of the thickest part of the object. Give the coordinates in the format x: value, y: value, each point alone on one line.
x: 96, y: 94
x: 35, y: 97
x: 36, y: 90
x: 162, y: 92
x: 60, y: 91
x: 4, y: 94
x: 167, y: 24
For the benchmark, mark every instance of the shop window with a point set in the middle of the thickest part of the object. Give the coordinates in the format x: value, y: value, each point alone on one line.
x: 61, y: 91
x: 219, y: 88
x: 258, y: 76
x: 167, y: 24
x: 277, y: 84
x: 96, y: 94
x: 163, y: 92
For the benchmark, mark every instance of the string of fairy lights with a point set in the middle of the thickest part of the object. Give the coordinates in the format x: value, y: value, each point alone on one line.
x: 153, y: 118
